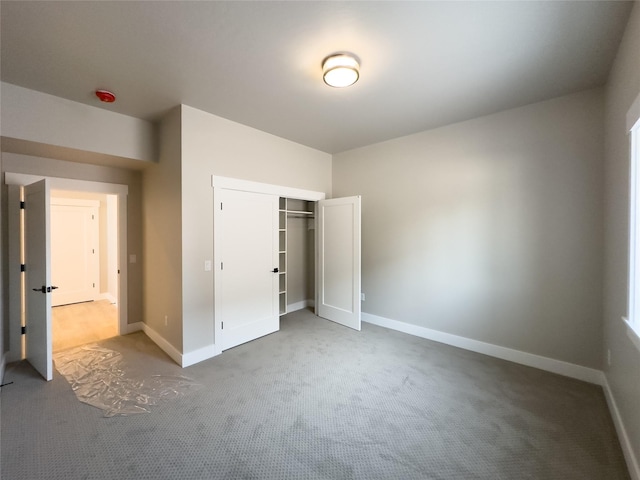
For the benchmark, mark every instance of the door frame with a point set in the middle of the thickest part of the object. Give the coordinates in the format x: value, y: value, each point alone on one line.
x: 14, y: 181
x: 225, y: 183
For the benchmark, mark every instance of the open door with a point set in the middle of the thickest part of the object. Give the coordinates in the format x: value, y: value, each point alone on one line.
x: 38, y: 278
x: 338, y: 280
x: 246, y: 266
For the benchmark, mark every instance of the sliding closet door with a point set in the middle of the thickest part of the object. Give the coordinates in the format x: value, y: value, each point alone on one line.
x: 338, y: 269
x: 247, y: 285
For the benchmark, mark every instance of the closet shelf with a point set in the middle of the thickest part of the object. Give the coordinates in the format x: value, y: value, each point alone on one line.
x: 299, y: 212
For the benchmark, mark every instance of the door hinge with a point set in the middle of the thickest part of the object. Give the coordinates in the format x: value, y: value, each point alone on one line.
x: 221, y: 265
x: 23, y: 330
x: 23, y: 267
x: 21, y: 205
x: 221, y: 325
x: 92, y: 217
x: 220, y: 205
x: 94, y: 285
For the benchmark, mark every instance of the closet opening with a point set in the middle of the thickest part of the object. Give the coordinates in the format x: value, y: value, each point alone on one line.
x: 296, y: 239
x: 280, y: 249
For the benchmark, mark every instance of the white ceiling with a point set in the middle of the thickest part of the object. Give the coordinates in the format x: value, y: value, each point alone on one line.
x: 423, y: 64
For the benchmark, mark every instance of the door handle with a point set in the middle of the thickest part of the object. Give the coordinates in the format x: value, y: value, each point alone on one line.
x: 275, y: 270
x: 44, y: 289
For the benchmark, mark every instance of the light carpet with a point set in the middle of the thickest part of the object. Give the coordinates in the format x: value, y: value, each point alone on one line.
x: 319, y: 401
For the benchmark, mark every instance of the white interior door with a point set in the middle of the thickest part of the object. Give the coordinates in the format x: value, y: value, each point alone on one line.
x: 338, y: 261
x: 38, y: 277
x: 247, y: 254
x: 74, y: 251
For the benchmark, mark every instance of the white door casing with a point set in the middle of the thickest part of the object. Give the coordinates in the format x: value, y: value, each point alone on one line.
x: 38, y: 278
x: 74, y: 250
x: 338, y: 278
x: 15, y: 292
x: 247, y: 253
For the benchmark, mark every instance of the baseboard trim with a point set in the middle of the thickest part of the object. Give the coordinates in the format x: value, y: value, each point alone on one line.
x: 134, y: 327
x: 107, y: 296
x: 199, y: 355
x: 623, y: 437
x: 164, y: 345
x: 294, y: 307
x: 529, y: 359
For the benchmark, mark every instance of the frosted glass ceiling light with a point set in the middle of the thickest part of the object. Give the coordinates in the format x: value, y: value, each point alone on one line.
x: 340, y: 70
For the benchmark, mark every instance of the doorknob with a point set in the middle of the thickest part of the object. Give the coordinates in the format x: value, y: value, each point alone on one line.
x: 275, y: 270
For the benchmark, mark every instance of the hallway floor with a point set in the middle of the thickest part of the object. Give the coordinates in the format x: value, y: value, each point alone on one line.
x: 82, y: 323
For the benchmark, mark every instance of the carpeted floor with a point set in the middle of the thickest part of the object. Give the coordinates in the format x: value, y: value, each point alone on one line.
x: 318, y: 401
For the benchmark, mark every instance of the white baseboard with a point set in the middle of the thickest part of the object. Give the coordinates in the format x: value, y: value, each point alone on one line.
x: 133, y: 327
x: 625, y: 443
x: 160, y: 341
x: 531, y: 360
x: 184, y: 360
x: 199, y: 355
x: 293, y: 307
x: 107, y: 296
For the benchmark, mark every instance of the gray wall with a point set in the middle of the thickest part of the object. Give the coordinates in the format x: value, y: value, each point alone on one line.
x: 622, y: 88
x: 162, y: 235
x: 490, y: 229
x: 214, y: 145
x: 40, y: 118
x: 300, y: 255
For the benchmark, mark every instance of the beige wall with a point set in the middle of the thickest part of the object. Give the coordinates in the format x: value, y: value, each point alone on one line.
x: 43, y: 119
x: 214, y: 145
x: 57, y: 168
x: 300, y: 255
x: 490, y: 229
x: 622, y: 88
x: 162, y: 235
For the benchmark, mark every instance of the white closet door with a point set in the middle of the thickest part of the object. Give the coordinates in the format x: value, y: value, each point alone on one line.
x: 247, y: 294
x: 74, y: 253
x: 338, y: 268
x: 38, y: 278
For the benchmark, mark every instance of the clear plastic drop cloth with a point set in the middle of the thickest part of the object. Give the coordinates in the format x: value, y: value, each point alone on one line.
x: 97, y: 377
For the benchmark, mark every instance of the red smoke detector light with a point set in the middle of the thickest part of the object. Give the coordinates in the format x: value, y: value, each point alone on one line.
x: 105, y: 96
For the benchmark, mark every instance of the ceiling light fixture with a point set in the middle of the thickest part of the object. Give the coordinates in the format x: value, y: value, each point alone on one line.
x: 105, y: 96
x: 340, y: 70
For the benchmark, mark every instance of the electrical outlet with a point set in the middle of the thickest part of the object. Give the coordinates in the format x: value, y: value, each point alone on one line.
x: 608, y: 357
x: 362, y: 297
x: 166, y: 320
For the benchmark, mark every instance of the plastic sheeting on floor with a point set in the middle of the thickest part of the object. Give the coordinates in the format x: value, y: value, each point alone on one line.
x: 97, y: 377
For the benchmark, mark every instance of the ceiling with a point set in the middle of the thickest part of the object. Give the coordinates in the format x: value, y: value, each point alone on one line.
x: 423, y: 64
